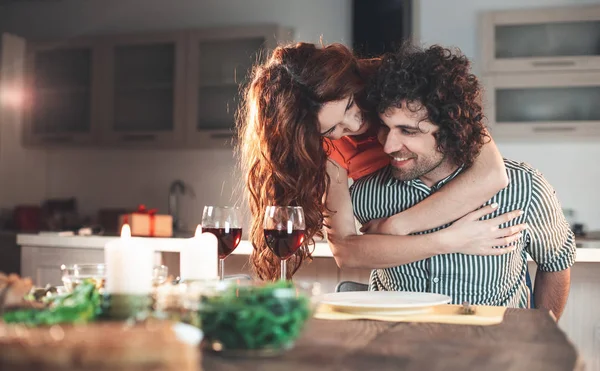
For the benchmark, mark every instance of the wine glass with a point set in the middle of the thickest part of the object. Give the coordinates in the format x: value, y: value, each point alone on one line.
x: 284, y: 230
x: 225, y: 223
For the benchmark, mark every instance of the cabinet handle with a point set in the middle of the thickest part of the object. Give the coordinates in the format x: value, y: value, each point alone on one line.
x: 59, y: 139
x: 555, y: 129
x: 138, y: 137
x: 553, y: 63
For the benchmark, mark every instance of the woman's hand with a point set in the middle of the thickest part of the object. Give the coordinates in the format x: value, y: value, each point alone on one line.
x: 472, y: 236
x: 381, y: 226
x: 468, y: 235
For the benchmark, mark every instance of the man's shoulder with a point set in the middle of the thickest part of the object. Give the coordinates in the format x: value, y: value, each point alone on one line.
x: 523, y: 175
x: 516, y: 169
x: 519, y: 166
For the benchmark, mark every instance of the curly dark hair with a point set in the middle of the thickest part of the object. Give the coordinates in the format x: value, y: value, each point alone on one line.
x: 440, y: 80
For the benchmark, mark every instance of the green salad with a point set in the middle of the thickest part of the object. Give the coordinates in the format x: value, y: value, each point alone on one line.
x: 254, y: 317
x: 80, y: 305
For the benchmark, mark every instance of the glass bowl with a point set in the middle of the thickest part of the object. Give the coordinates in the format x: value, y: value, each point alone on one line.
x: 175, y: 302
x: 241, y: 318
x: 73, y: 275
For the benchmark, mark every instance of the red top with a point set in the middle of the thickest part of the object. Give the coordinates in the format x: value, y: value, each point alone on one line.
x: 360, y: 155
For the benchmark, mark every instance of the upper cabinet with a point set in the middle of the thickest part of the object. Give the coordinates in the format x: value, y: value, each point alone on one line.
x: 557, y: 105
x: 541, y: 70
x: 164, y: 90
x: 551, y: 39
x: 219, y: 66
x: 62, y: 82
x: 144, y: 90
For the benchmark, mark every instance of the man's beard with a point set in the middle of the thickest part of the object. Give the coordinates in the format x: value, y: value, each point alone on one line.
x: 420, y: 167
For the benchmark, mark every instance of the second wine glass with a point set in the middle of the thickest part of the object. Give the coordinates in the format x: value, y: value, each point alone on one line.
x: 225, y: 223
x: 284, y: 230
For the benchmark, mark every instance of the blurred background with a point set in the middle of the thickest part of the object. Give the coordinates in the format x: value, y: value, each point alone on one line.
x: 106, y: 105
x: 109, y: 104
x: 122, y: 98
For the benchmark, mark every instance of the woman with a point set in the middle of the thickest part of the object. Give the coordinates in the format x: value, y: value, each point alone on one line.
x: 298, y: 107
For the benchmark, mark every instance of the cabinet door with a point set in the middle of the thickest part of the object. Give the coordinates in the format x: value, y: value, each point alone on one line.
x: 219, y: 65
x: 544, y: 105
x: 63, y: 105
x: 43, y: 264
x: 144, y: 87
x: 541, y: 39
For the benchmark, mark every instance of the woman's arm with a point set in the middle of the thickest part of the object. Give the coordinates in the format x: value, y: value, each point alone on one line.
x: 350, y: 250
x: 465, y: 193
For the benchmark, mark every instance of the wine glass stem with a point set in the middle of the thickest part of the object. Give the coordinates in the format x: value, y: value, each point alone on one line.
x: 221, y: 269
x: 283, y: 269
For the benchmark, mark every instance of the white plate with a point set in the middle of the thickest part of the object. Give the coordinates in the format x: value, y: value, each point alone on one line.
x: 390, y: 302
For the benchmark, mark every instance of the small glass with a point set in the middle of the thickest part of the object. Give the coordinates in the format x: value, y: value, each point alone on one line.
x: 160, y: 273
x: 284, y: 230
x: 73, y: 275
x: 225, y: 223
x: 179, y: 301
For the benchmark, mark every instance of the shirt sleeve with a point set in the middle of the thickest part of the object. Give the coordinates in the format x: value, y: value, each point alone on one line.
x: 550, y: 241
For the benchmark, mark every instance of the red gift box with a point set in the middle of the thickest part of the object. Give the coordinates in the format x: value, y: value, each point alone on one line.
x: 148, y: 223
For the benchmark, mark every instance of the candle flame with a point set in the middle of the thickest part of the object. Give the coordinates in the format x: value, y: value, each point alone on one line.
x: 125, y: 231
x: 198, y: 231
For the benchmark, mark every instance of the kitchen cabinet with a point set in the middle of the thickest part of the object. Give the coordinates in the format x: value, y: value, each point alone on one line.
x: 10, y: 253
x: 541, y: 71
x: 541, y: 39
x: 62, y: 104
x: 144, y: 90
x: 219, y: 65
x: 542, y: 106
x: 43, y: 264
x: 178, y: 89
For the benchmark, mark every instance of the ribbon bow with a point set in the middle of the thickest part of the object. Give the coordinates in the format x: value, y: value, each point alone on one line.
x: 143, y: 210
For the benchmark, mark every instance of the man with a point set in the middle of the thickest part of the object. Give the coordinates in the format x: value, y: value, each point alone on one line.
x: 432, y: 128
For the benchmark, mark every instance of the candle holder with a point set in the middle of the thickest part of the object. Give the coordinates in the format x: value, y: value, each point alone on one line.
x: 120, y: 307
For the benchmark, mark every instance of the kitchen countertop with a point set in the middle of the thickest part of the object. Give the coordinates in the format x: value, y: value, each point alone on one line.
x: 589, y: 252
x: 158, y: 243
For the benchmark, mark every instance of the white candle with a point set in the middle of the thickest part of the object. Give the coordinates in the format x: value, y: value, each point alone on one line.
x: 199, y: 257
x: 129, y: 265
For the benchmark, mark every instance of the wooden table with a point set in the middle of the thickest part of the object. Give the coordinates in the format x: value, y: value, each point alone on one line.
x: 526, y: 340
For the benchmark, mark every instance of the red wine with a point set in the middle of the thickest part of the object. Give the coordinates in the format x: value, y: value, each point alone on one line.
x: 227, y: 241
x: 282, y: 243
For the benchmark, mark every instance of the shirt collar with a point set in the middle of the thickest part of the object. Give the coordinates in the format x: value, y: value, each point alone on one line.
x: 417, y: 183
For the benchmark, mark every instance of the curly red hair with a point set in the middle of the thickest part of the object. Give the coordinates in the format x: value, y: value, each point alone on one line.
x: 280, y: 146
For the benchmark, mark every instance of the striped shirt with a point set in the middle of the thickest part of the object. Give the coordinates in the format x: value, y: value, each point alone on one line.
x: 485, y: 280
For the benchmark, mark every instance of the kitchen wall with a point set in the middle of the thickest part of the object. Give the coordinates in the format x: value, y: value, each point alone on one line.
x: 22, y: 171
x: 569, y: 166
x: 100, y: 178
x: 104, y: 178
